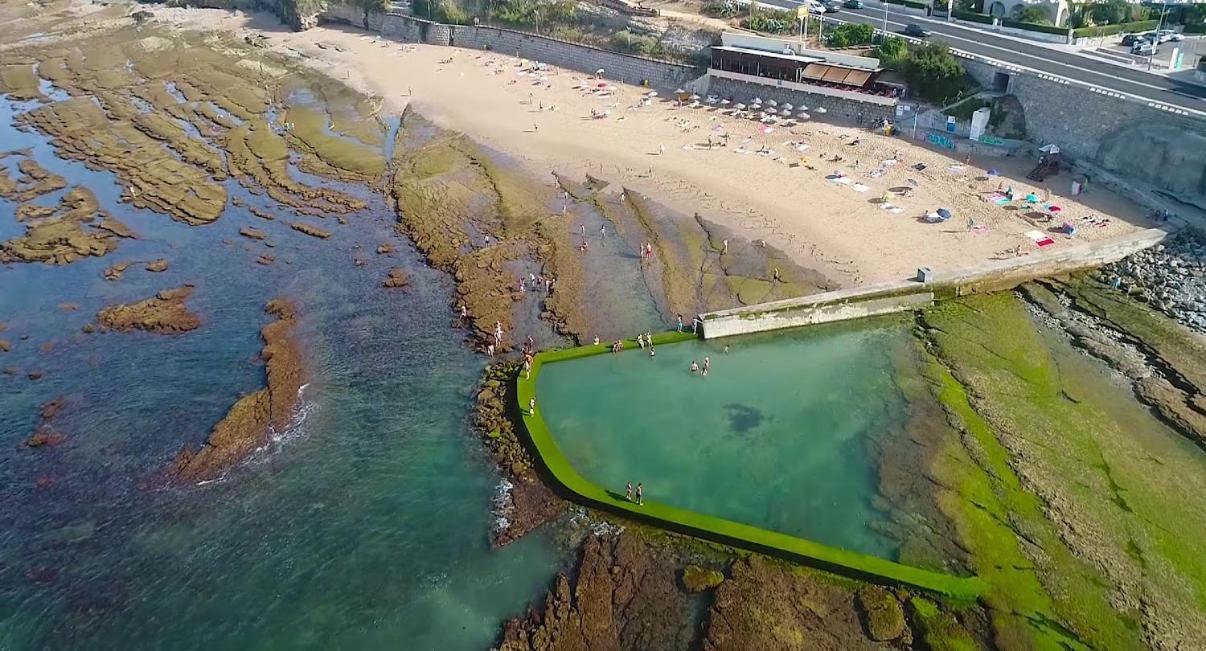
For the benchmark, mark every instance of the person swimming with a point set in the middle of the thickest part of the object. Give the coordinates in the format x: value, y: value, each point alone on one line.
x: 694, y: 367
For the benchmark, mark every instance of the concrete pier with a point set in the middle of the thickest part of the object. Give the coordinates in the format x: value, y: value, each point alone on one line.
x: 905, y: 295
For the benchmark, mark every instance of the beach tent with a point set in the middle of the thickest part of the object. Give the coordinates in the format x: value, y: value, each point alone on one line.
x: 944, y: 214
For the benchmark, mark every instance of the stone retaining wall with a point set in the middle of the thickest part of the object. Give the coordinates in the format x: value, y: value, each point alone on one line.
x: 906, y: 295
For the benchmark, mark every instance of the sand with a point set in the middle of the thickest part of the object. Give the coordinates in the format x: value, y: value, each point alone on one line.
x: 544, y: 123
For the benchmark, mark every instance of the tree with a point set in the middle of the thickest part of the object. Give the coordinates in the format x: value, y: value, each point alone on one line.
x: 892, y: 53
x: 1110, y: 11
x: 849, y: 35
x: 1030, y: 14
x: 934, y: 73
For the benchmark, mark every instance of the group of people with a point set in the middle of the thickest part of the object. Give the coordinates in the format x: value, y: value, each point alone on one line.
x: 695, y: 322
x: 637, y: 495
x: 535, y: 282
x: 703, y: 372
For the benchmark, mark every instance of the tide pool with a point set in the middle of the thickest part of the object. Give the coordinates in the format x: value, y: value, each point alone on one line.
x: 781, y: 433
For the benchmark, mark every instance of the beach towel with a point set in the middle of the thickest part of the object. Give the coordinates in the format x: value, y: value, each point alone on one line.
x: 859, y: 187
x: 841, y: 180
x: 891, y: 208
x: 1039, y: 238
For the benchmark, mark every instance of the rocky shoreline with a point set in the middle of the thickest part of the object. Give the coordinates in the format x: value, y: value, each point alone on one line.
x: 1170, y: 277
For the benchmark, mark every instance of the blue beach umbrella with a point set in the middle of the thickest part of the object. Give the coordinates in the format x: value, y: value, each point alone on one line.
x: 944, y: 213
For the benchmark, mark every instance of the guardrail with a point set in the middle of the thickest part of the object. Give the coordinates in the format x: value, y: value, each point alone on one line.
x: 727, y: 532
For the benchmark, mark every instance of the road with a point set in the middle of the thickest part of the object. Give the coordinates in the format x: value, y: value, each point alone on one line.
x: 1031, y: 55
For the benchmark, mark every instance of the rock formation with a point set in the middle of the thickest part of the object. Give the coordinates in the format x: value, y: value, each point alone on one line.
x: 163, y: 313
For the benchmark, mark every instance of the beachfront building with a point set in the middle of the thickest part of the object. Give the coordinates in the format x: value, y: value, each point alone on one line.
x: 848, y: 86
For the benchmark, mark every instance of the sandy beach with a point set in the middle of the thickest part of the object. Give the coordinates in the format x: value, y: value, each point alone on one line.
x: 772, y: 184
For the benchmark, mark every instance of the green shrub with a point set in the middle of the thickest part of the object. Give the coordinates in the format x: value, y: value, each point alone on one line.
x: 1196, y: 28
x: 641, y: 44
x: 910, y: 3
x: 1034, y: 27
x: 527, y: 13
x: 771, y: 22
x: 1030, y: 14
x: 721, y: 9
x: 1110, y: 30
x: 972, y: 17
x: 892, y: 53
x: 934, y: 73
x: 849, y: 35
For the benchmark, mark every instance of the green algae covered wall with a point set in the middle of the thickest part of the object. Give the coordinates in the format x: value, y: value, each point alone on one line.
x: 585, y: 492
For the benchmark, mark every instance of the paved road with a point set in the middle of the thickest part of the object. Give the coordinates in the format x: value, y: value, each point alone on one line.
x: 1048, y: 60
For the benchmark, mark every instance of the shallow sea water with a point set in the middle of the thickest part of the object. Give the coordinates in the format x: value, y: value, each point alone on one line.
x: 779, y: 435
x: 364, y: 525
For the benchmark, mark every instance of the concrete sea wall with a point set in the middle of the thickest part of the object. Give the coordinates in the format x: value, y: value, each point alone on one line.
x: 626, y: 68
x: 905, y: 295
x: 1123, y: 135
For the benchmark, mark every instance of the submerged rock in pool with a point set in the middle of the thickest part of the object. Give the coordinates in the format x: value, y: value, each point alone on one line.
x: 163, y: 313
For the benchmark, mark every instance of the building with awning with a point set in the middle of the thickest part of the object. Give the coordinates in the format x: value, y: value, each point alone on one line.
x: 788, y: 65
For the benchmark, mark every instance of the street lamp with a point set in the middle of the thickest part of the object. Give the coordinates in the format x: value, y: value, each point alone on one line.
x: 1159, y: 26
x: 885, y: 30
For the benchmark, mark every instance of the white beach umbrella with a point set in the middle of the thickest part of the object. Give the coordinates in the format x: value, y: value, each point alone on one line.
x: 695, y: 98
x: 679, y: 91
x: 771, y: 111
x: 772, y: 103
x: 757, y: 100
x: 787, y: 107
x: 725, y: 102
x: 803, y: 108
x: 739, y: 106
x: 652, y: 93
x: 803, y: 116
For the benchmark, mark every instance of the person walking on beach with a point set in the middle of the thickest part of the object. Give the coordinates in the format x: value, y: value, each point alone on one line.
x: 532, y: 406
x: 628, y: 492
x: 602, y: 230
x: 726, y: 247
x: 640, y: 493
x: 490, y: 350
x: 679, y: 327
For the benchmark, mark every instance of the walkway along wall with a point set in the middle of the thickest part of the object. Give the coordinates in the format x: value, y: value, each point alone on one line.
x: 626, y: 68
x: 578, y: 489
x: 905, y: 295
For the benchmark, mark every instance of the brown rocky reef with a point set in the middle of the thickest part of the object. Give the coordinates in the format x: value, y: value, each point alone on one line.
x: 254, y: 416
x: 64, y: 233
x: 45, y: 434
x: 529, y: 503
x: 624, y: 596
x: 164, y: 313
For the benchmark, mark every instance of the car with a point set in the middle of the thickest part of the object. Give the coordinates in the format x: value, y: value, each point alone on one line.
x: 853, y: 4
x: 915, y: 30
x: 1166, y: 35
x: 1143, y: 47
x: 831, y: 6
x: 1131, y: 39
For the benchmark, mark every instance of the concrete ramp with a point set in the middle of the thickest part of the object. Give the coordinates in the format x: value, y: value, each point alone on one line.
x: 906, y: 295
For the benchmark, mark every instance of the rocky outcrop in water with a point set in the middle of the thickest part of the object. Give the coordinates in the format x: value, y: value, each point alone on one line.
x: 255, y: 416
x: 64, y: 233
x: 164, y: 313
x: 308, y: 229
x: 45, y: 434
x: 397, y: 278
x: 623, y: 596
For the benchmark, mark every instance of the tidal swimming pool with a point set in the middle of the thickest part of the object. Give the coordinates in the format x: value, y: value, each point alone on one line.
x: 782, y: 434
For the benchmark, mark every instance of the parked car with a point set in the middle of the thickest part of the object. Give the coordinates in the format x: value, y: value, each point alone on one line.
x: 831, y: 6
x: 1143, y: 47
x: 1166, y: 35
x: 1131, y: 39
x: 853, y: 4
x: 915, y: 30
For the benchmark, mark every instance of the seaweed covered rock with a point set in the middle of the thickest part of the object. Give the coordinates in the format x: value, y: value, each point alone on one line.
x: 164, y: 313
x: 882, y: 613
x: 700, y: 579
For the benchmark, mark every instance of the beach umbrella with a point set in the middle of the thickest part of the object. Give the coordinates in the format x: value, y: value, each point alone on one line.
x: 944, y: 213
x: 694, y: 98
x: 652, y: 93
x: 1032, y: 198
x: 599, y: 71
x: 787, y: 107
x: 770, y: 111
x: 821, y: 109
x: 1054, y: 209
x: 757, y: 100
x: 803, y: 108
x: 724, y: 102
x: 712, y: 99
x: 740, y: 106
x: 803, y: 116
x: 993, y: 172
x: 772, y: 103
